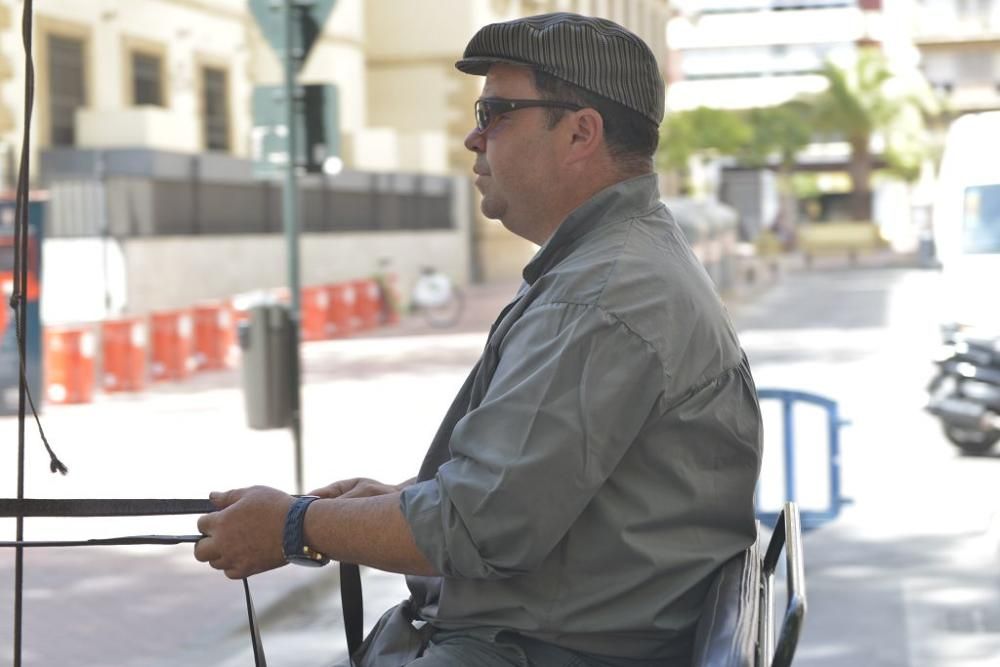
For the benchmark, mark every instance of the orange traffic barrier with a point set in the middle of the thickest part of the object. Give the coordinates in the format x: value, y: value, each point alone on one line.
x: 214, y: 336
x: 123, y: 354
x: 69, y: 364
x: 366, y: 303
x: 340, y: 310
x: 315, y: 307
x: 172, y: 357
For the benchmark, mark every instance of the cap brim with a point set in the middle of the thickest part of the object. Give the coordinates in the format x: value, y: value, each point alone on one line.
x: 480, y: 65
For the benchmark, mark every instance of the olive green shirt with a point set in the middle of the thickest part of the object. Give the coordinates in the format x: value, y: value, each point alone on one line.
x: 600, y: 462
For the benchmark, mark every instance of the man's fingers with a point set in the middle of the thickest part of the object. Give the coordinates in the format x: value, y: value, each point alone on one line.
x: 223, y: 499
x: 362, y: 490
x: 206, y: 522
x: 366, y: 488
x: 336, y: 489
x: 359, y: 487
x: 243, y: 536
x: 205, y: 551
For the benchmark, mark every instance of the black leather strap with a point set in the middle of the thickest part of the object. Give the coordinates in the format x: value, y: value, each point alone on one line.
x: 258, y: 646
x: 106, y: 541
x: 352, y: 605
x: 34, y: 507
x: 125, y: 507
x: 350, y: 575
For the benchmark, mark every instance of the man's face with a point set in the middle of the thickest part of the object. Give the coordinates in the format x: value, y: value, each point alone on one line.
x: 515, y: 156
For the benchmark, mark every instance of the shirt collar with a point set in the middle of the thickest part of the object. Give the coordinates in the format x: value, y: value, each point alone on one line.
x: 612, y: 204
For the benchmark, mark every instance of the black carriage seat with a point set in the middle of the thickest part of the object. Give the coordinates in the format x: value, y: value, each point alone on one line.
x: 737, y: 624
x: 727, y: 633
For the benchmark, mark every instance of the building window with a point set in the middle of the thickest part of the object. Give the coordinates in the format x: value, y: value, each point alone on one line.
x: 66, y: 88
x: 974, y: 9
x: 147, y: 79
x: 975, y: 66
x: 215, y: 108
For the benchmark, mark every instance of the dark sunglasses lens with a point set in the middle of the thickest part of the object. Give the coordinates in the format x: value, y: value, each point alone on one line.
x: 482, y: 115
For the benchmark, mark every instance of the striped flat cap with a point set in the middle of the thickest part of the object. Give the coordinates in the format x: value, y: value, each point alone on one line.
x: 595, y: 54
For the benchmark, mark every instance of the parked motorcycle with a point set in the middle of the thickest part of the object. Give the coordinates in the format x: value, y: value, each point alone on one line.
x: 965, y: 392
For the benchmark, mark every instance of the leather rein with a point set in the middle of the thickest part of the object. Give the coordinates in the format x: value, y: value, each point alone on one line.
x: 350, y: 576
x: 20, y: 507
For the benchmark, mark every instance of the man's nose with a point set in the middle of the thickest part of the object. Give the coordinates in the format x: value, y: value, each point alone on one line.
x: 475, y: 141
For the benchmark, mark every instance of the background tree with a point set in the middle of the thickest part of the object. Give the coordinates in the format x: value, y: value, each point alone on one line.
x: 701, y: 132
x: 866, y: 99
x: 779, y: 134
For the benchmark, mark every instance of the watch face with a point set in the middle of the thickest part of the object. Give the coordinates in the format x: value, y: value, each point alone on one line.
x: 307, y: 561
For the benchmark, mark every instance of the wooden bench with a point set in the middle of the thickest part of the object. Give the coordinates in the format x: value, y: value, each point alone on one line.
x: 835, y: 238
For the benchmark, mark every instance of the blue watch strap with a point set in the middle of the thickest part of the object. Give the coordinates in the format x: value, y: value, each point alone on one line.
x: 293, y: 541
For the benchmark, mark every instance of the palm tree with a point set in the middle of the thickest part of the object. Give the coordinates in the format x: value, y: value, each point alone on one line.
x: 865, y: 99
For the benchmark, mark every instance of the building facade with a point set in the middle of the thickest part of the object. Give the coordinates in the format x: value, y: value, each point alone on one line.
x: 959, y: 42
x: 150, y: 73
x: 179, y: 77
x: 749, y: 53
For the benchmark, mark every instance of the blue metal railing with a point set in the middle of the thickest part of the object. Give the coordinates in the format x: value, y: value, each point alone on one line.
x: 789, y: 397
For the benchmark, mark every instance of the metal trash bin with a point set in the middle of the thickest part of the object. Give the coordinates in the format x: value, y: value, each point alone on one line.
x: 268, y: 366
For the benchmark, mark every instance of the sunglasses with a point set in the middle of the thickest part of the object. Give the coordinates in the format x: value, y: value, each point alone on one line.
x: 488, y: 109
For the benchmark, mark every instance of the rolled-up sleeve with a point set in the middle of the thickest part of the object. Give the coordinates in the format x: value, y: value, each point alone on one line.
x: 573, y: 388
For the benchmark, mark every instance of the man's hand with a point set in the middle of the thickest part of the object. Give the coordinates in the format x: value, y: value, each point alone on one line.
x: 359, y: 487
x: 245, y: 536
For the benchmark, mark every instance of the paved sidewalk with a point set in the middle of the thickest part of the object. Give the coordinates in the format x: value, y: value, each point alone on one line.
x: 370, y: 405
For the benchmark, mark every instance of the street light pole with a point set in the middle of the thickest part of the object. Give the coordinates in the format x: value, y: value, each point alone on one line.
x: 290, y: 214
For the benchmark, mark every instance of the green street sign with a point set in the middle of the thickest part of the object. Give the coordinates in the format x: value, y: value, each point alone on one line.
x: 309, y: 17
x: 318, y: 122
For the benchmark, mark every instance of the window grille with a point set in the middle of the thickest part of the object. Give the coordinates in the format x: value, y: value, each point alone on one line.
x: 147, y: 79
x: 215, y: 108
x: 66, y: 88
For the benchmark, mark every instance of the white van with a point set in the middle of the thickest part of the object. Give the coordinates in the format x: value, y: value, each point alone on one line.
x: 967, y: 221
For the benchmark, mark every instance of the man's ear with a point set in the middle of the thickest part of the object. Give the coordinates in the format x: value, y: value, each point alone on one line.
x: 587, y: 134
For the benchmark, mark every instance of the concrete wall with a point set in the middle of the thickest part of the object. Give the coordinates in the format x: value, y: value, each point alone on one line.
x: 218, y: 267
x: 152, y: 274
x: 143, y: 274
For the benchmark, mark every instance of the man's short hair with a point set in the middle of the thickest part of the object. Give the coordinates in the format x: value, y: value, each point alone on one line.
x: 631, y: 138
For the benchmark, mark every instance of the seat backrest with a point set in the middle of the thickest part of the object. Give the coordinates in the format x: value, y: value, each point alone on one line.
x: 727, y: 632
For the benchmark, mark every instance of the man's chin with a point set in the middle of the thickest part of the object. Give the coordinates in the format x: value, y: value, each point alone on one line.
x: 490, y: 210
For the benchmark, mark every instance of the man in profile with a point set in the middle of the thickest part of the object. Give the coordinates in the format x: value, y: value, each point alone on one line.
x: 599, y: 464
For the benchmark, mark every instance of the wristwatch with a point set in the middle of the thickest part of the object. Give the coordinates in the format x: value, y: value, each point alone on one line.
x: 293, y: 543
